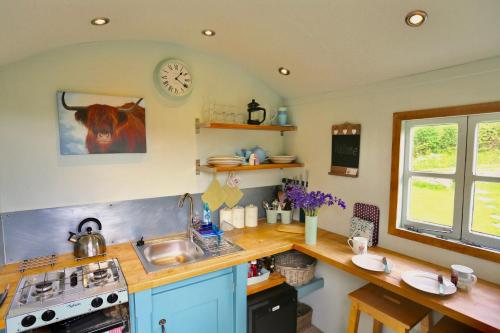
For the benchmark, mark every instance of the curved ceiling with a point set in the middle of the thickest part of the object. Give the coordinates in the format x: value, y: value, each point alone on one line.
x: 327, y: 44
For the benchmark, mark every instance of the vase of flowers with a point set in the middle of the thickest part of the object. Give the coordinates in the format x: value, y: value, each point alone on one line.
x: 311, y: 202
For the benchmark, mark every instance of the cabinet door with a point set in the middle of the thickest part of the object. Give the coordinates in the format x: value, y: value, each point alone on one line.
x: 205, y: 306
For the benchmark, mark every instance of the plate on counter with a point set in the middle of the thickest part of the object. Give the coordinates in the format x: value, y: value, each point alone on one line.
x: 371, y: 262
x: 428, y: 282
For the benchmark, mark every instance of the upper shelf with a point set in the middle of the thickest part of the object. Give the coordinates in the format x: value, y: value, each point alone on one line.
x: 215, y: 169
x: 276, y: 128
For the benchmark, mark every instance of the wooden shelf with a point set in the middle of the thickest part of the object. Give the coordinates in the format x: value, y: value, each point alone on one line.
x: 306, y: 289
x: 275, y: 279
x: 276, y: 128
x: 215, y: 169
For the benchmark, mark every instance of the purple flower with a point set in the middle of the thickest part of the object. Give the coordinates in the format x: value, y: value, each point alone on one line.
x: 312, y: 201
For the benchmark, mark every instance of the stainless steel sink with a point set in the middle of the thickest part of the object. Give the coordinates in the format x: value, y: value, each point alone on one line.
x: 164, y: 253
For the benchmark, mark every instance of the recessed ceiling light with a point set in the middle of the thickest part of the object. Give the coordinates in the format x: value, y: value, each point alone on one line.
x: 100, y: 21
x: 208, y: 32
x: 416, y: 18
x: 284, y: 71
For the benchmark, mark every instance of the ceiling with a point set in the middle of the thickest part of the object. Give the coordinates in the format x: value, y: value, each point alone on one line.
x: 327, y: 44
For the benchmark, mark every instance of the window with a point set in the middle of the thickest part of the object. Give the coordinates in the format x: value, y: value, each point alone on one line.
x: 446, y: 177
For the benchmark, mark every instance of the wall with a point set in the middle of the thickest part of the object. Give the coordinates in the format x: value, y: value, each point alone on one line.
x: 373, y: 106
x: 34, y: 175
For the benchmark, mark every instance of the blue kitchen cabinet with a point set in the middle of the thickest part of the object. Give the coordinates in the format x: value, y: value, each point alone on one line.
x: 211, y: 303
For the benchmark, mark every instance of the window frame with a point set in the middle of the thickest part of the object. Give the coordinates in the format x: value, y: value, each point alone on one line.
x: 453, y: 232
x: 397, y: 172
x: 471, y: 177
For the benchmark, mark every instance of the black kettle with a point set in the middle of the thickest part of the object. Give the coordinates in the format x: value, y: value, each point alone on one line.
x: 253, y: 106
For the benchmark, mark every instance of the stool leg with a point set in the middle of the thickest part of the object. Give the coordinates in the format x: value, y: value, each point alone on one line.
x: 353, y: 318
x: 426, y: 323
x: 377, y: 326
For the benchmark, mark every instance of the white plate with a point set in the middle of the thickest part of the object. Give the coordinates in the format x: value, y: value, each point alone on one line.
x: 427, y: 282
x: 370, y: 262
x: 218, y: 163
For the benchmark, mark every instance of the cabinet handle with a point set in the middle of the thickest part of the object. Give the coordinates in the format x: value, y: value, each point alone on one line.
x: 162, y: 323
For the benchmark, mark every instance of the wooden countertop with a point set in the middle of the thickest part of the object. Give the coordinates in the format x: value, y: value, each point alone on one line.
x: 479, y: 308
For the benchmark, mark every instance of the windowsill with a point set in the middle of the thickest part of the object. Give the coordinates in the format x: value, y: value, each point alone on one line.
x: 452, y: 245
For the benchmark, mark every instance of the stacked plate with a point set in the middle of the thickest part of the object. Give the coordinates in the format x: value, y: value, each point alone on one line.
x: 225, y: 160
x: 282, y: 159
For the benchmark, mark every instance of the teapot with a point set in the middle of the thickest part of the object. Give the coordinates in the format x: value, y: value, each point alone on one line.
x: 89, y: 243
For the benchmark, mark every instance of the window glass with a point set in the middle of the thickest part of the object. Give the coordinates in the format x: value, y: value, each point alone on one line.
x: 434, y: 148
x: 431, y: 200
x: 486, y: 209
x: 488, y: 149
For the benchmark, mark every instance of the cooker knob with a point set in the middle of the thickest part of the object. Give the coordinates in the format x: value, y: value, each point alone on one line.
x: 112, y: 298
x: 48, y: 315
x: 28, y: 321
x: 96, y: 302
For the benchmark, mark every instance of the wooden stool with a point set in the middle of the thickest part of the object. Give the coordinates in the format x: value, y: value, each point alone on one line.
x: 388, y: 309
x: 448, y: 325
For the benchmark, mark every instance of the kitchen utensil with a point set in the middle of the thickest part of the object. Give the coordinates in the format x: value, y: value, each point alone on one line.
x: 89, y: 243
x: 370, y: 262
x: 465, y: 277
x: 266, y: 205
x: 387, y: 269
x: 281, y: 199
x: 362, y: 228
x: 441, y: 285
x: 426, y: 281
x: 239, y: 217
x: 282, y: 115
x: 282, y: 159
x: 272, y: 216
x: 3, y: 296
x: 254, y: 109
x: 359, y: 245
x: 251, y: 216
x: 286, y: 216
x: 369, y: 213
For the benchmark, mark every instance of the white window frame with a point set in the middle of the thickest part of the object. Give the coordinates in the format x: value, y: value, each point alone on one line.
x: 470, y: 177
x: 463, y: 177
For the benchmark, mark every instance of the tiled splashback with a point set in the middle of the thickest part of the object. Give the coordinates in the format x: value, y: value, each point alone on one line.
x: 41, y: 232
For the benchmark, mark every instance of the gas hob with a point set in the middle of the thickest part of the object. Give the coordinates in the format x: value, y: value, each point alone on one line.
x: 46, y: 298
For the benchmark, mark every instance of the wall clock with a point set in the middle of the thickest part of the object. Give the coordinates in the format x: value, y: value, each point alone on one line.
x: 173, y: 78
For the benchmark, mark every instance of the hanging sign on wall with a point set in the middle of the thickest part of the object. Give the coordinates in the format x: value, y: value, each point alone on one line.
x: 345, y: 149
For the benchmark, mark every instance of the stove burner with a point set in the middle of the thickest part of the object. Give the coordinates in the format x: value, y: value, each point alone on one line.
x: 43, y: 287
x: 99, y: 274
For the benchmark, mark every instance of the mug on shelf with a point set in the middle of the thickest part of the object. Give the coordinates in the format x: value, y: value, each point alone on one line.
x: 464, y: 277
x: 359, y: 245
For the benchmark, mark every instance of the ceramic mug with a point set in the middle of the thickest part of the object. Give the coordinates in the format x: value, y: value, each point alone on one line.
x: 359, y: 245
x: 465, y: 277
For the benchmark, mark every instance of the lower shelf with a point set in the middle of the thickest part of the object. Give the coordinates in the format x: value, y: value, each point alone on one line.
x: 275, y: 279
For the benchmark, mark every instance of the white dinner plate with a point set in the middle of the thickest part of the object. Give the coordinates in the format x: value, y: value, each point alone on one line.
x: 370, y: 262
x: 427, y: 282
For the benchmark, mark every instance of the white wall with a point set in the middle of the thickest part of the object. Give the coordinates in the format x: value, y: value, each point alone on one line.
x: 372, y: 106
x: 34, y: 175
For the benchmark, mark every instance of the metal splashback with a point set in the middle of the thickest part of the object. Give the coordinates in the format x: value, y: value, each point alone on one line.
x: 42, y: 232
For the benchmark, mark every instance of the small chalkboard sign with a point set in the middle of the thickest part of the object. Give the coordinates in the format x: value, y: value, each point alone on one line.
x: 345, y: 150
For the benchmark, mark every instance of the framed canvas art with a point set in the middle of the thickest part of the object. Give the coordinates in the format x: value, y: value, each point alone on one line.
x: 98, y: 124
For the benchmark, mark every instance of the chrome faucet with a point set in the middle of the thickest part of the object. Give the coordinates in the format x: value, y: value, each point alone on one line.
x: 189, y: 230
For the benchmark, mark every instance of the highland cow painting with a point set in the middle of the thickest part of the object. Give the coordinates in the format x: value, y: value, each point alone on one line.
x: 97, y: 124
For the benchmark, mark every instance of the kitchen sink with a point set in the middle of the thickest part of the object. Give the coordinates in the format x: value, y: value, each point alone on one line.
x: 159, y: 254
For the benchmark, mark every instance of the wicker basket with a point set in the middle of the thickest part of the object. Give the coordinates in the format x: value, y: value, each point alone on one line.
x: 296, y: 267
x: 304, y: 317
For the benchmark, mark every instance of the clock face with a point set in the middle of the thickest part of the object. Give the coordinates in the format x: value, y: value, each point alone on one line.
x: 174, y: 78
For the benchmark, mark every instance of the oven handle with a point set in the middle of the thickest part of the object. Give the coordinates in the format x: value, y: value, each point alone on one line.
x: 162, y: 323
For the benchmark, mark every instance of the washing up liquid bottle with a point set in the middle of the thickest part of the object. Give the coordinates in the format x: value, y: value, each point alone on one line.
x: 206, y: 223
